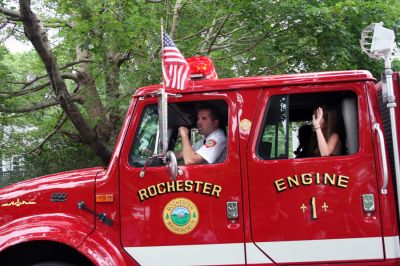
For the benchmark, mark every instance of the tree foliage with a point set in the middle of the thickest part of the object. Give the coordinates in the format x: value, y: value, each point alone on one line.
x: 67, y: 97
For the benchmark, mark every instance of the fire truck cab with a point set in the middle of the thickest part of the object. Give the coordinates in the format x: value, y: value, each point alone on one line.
x: 262, y: 205
x: 259, y: 205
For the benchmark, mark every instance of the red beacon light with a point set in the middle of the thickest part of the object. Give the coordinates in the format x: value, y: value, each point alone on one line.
x: 201, y: 67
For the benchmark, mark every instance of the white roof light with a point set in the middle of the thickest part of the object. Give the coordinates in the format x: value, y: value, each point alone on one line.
x: 378, y: 42
x: 383, y: 41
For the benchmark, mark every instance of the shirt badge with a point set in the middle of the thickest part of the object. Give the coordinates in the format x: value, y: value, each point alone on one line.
x: 210, y: 143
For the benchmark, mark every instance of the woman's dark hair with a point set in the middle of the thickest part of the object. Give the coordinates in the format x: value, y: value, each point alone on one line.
x: 331, y: 122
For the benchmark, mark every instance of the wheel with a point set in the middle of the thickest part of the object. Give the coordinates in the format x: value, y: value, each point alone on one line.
x: 53, y: 263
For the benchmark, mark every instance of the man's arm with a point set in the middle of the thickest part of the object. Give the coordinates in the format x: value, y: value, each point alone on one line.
x: 189, y: 155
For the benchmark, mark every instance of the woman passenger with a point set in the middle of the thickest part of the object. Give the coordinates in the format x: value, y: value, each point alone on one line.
x: 325, y: 125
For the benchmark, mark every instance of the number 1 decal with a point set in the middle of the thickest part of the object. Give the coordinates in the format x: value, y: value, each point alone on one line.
x: 313, y: 209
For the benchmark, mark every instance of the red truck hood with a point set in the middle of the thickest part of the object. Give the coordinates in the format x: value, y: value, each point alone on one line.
x: 56, y: 193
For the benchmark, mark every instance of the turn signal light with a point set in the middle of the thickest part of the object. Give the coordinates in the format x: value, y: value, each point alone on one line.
x: 104, y: 198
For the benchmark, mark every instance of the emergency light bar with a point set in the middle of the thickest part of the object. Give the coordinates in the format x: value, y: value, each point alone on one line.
x: 201, y: 67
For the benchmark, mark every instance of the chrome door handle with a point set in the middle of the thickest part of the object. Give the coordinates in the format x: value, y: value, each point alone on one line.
x: 383, y: 157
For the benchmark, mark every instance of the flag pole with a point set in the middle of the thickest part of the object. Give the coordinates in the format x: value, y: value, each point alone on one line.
x: 162, y: 53
x: 162, y: 107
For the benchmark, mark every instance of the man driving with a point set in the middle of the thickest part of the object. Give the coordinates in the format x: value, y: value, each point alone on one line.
x: 212, y: 147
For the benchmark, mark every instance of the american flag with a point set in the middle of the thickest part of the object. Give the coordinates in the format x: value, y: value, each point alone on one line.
x: 174, y: 66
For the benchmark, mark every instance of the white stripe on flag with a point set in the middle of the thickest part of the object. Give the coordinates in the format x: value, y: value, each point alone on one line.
x: 179, y: 78
x: 173, y: 85
x: 170, y: 69
x: 169, y: 53
x: 166, y: 77
x: 169, y: 48
x: 174, y: 60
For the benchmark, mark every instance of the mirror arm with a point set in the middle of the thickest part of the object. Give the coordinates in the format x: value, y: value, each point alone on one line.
x: 146, y: 163
x: 143, y: 171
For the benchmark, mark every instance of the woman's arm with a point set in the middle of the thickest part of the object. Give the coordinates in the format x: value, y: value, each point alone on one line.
x: 326, y: 148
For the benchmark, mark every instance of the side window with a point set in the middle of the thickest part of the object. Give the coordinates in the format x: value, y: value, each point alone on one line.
x: 182, y: 114
x: 287, y: 130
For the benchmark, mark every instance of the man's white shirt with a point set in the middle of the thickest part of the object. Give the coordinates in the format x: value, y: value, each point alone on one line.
x: 213, y: 149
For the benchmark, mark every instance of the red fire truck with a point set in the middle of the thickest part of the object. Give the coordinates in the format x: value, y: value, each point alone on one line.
x: 259, y: 206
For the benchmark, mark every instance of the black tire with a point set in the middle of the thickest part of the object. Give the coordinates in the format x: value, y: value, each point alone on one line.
x: 53, y: 263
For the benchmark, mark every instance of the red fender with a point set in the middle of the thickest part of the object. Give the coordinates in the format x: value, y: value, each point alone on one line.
x: 66, y: 229
x: 102, y: 251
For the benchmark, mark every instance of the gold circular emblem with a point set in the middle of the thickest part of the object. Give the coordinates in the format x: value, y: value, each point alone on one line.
x: 180, y: 216
x: 245, y: 125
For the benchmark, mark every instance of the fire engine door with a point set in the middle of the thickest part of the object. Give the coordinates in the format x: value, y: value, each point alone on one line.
x: 184, y: 221
x: 313, y: 209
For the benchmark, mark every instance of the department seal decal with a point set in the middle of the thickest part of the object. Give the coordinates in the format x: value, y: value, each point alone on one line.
x: 180, y: 216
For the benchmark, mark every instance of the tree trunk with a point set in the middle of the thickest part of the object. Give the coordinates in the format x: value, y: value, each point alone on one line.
x: 106, y: 128
x: 93, y: 105
x: 35, y: 32
x: 113, y: 64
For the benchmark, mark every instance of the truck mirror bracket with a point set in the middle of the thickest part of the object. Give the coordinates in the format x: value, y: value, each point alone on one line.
x: 102, y: 216
x: 169, y: 160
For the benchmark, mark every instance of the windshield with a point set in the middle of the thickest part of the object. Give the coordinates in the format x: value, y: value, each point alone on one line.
x: 146, y: 137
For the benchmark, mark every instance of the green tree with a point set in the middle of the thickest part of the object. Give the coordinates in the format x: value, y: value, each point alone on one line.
x: 73, y: 89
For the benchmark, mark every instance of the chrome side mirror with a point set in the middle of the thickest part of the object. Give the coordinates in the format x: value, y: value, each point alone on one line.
x: 172, y: 164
